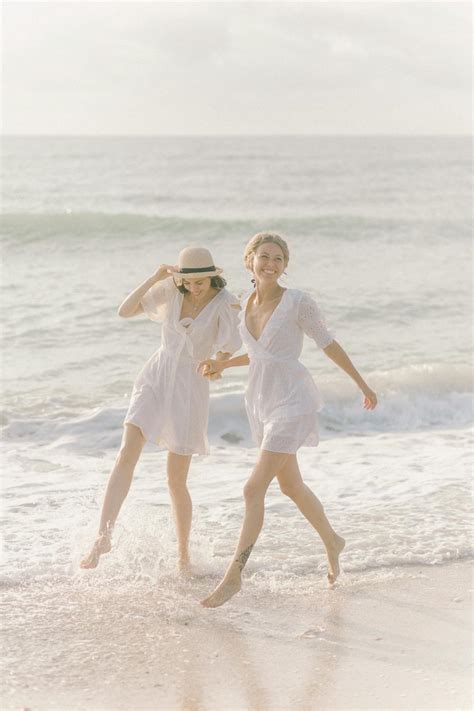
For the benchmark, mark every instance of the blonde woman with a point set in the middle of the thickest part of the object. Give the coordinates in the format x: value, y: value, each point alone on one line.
x: 282, y: 400
x: 170, y: 400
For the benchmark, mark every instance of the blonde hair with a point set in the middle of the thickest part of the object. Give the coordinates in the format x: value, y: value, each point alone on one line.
x: 262, y: 238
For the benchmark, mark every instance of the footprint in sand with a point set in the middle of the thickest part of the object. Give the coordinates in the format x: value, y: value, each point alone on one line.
x: 309, y: 634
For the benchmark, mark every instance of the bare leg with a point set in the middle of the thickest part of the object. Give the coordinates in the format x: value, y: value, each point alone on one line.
x: 268, y: 465
x: 292, y: 485
x: 177, y: 469
x: 117, y: 489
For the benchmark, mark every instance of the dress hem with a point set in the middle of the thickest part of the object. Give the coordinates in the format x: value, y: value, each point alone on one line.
x: 163, y: 445
x: 277, y: 451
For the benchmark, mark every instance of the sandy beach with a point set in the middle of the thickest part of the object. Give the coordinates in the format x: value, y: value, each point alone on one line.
x: 399, y: 644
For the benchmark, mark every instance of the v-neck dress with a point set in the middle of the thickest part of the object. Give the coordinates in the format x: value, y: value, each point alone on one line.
x: 170, y: 401
x: 282, y: 400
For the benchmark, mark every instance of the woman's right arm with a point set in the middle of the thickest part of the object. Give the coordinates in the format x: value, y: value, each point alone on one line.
x: 131, y: 306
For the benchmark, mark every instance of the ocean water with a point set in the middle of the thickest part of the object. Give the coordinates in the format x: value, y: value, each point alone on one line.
x: 379, y: 231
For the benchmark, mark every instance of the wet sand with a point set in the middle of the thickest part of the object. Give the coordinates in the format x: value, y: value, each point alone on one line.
x: 403, y: 643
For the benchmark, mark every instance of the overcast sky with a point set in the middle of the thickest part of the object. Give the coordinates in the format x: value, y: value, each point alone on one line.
x: 236, y: 67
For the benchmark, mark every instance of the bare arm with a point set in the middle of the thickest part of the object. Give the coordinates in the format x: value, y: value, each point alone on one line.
x: 337, y: 354
x: 234, y: 362
x: 131, y: 306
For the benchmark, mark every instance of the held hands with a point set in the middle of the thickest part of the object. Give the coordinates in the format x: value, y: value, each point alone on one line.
x: 370, y: 398
x: 210, y: 369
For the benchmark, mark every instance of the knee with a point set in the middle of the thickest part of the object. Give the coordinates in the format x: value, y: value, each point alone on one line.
x: 253, y: 492
x: 176, y: 484
x: 293, y: 491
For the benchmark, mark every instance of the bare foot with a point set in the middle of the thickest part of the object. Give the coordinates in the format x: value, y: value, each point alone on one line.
x: 102, y: 545
x: 333, y: 553
x: 223, y: 593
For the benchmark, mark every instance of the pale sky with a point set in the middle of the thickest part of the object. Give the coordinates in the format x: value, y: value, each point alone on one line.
x: 237, y: 67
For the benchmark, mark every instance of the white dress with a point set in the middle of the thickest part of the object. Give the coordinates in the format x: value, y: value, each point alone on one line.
x: 282, y: 400
x: 170, y: 401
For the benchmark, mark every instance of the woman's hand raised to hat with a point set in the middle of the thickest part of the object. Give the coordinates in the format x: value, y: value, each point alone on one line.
x: 163, y: 271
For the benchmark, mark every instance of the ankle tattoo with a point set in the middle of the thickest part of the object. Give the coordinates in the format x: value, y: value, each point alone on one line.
x: 243, y: 557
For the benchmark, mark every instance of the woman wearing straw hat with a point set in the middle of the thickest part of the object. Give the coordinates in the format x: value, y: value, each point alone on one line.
x: 170, y: 400
x: 282, y: 400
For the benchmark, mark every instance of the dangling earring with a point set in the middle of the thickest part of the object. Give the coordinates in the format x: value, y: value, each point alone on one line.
x: 253, y: 281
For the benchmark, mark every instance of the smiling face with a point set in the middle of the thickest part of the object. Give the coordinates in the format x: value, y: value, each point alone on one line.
x: 197, y: 287
x: 268, y: 262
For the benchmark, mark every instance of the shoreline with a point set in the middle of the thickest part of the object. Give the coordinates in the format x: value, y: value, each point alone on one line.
x: 401, y: 643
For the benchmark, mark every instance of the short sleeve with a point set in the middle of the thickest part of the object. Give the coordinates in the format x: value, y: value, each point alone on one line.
x: 228, y: 337
x: 156, y: 299
x: 311, y: 320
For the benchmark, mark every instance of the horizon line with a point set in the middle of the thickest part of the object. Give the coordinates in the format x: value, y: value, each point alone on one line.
x: 237, y: 135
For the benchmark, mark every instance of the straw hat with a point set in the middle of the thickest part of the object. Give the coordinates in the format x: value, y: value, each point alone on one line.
x: 195, y: 262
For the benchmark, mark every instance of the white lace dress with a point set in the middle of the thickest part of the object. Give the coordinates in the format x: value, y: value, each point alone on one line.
x: 282, y: 400
x: 170, y: 401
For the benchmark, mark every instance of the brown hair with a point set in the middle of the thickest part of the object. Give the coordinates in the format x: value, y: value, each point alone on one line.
x: 217, y: 282
x: 262, y: 238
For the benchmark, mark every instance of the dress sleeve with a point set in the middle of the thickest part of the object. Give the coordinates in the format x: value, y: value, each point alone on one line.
x: 228, y: 336
x: 311, y: 320
x: 156, y: 299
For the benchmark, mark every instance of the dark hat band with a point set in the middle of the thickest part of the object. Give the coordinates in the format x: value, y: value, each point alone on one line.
x: 191, y: 270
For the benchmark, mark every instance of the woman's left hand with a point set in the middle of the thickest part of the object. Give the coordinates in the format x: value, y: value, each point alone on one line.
x: 370, y: 398
x: 210, y: 369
